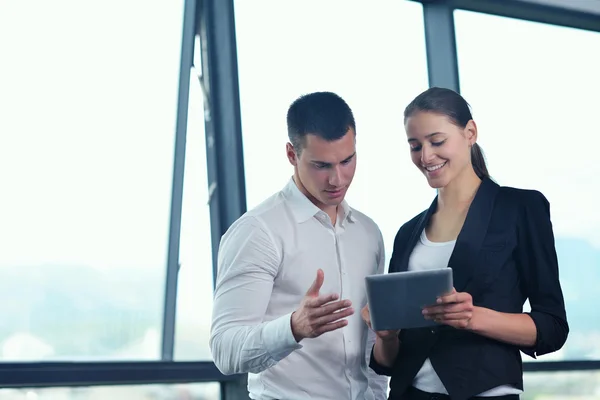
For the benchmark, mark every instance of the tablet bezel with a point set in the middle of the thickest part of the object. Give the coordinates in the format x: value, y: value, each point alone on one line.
x: 396, y: 299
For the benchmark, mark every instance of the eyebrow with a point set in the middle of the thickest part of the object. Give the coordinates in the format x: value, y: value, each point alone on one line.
x: 428, y: 136
x: 329, y: 164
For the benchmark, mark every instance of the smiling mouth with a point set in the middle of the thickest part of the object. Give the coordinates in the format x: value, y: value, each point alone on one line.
x: 432, y: 168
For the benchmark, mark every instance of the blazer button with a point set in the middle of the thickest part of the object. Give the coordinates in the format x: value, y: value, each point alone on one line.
x: 433, y: 331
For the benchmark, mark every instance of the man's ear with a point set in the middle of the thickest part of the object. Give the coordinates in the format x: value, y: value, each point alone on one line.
x: 291, y: 154
x: 471, y: 132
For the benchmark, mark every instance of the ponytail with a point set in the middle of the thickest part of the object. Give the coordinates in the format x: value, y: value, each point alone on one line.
x: 478, y: 161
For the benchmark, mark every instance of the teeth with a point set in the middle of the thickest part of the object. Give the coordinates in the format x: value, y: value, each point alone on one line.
x: 434, y: 167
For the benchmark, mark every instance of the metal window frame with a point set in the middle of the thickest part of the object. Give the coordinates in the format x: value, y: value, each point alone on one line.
x: 440, y: 45
x: 223, y: 126
x: 213, y: 22
x: 550, y: 13
x: 172, y: 272
x: 74, y: 374
x: 440, y: 36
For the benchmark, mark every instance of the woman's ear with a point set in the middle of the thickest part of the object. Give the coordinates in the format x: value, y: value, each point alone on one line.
x: 471, y: 132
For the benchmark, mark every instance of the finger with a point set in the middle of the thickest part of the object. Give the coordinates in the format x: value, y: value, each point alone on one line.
x: 316, y: 285
x: 330, y: 327
x: 455, y: 316
x: 316, y: 302
x: 329, y: 318
x: 433, y: 314
x: 330, y: 308
x: 454, y: 297
x: 365, y: 314
x: 450, y: 293
x: 447, y: 308
x: 434, y: 310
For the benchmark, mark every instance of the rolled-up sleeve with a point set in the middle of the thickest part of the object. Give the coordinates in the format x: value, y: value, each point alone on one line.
x: 240, y: 341
x: 539, y: 263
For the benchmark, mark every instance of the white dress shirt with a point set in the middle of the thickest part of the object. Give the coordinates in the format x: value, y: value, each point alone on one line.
x: 268, y: 259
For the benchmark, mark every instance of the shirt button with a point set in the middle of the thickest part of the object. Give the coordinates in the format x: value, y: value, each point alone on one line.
x: 433, y: 331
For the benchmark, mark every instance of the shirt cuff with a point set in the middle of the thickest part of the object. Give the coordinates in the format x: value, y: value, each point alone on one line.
x: 278, y: 338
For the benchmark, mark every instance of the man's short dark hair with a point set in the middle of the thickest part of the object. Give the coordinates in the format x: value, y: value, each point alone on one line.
x: 323, y: 114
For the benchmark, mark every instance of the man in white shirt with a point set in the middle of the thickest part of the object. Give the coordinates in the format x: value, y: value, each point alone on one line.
x: 291, y: 272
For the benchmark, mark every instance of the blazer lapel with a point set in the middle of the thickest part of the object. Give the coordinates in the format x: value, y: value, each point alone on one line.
x: 416, y: 234
x: 469, y: 241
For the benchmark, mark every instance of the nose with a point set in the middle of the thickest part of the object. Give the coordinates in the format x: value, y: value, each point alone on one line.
x: 427, y: 154
x: 335, y: 177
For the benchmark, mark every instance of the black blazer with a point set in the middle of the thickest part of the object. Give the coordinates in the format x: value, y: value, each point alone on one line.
x: 503, y: 255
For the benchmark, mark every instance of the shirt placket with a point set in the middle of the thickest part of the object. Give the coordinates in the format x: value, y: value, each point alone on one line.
x: 344, y: 294
x: 335, y: 233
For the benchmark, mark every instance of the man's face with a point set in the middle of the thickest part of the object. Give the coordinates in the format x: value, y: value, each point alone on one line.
x: 323, y: 169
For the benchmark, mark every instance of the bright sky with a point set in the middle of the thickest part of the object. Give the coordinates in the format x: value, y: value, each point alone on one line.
x: 88, y: 94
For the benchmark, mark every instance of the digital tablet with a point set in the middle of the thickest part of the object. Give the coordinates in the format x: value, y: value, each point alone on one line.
x: 396, y: 299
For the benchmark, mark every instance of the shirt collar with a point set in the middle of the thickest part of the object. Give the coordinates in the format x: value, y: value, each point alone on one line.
x: 304, y: 209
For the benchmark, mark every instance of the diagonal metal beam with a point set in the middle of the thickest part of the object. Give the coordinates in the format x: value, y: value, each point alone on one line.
x: 223, y: 127
x: 170, y: 302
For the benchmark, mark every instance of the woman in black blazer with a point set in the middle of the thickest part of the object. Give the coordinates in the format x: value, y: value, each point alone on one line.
x: 500, y: 245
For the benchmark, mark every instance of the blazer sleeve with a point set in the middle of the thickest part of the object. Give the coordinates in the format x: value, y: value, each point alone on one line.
x: 539, y: 266
x: 378, y: 368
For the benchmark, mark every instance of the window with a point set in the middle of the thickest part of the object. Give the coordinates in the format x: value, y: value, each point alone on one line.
x: 575, y: 385
x: 532, y: 87
x: 86, y: 156
x: 371, y: 55
x: 197, y: 391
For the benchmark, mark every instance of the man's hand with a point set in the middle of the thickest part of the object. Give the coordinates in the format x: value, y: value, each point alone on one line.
x: 384, y: 335
x: 455, y: 309
x: 319, y: 314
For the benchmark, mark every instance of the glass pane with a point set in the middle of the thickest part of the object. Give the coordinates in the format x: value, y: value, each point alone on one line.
x: 576, y: 385
x: 88, y: 100
x: 373, y: 55
x: 532, y: 87
x: 196, y: 391
x: 195, y: 283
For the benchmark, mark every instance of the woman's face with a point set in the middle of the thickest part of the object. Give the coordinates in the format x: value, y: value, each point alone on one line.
x: 439, y: 148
